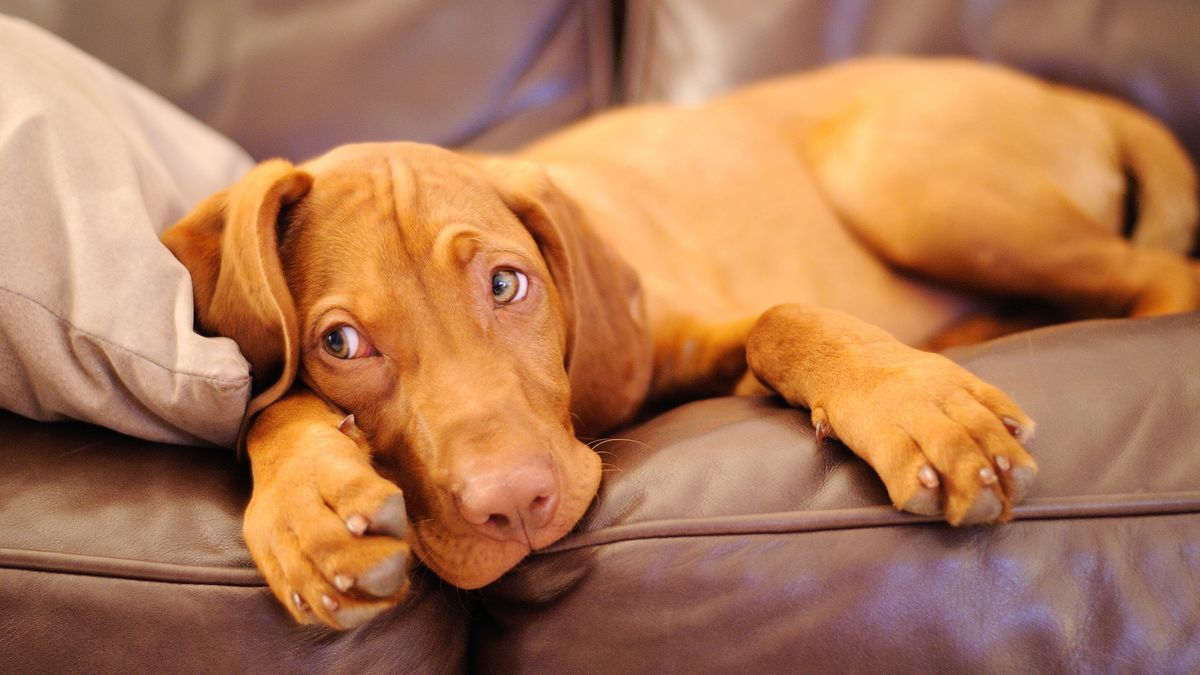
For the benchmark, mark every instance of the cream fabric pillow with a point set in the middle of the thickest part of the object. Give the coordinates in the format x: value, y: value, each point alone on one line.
x: 95, y: 314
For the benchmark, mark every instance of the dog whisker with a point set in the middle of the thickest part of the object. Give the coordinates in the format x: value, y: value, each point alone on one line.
x: 604, y: 441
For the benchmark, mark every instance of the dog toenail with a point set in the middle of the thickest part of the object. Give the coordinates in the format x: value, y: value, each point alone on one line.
x: 1015, y: 428
x: 343, y: 582
x: 821, y: 426
x: 330, y: 603
x: 299, y: 601
x: 928, y: 477
x: 357, y: 523
x: 1002, y: 463
x: 346, y: 425
x: 987, y: 476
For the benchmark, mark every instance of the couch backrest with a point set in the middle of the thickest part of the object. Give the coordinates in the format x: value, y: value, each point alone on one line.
x: 1144, y: 51
x: 292, y: 79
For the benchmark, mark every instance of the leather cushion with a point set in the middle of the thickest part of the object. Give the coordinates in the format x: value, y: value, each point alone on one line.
x: 688, y: 50
x: 724, y: 540
x: 121, y: 555
x: 294, y: 79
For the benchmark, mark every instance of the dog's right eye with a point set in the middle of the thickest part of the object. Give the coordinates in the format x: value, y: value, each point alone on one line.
x: 344, y: 342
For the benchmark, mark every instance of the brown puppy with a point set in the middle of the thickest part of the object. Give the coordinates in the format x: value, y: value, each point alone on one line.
x: 476, y: 315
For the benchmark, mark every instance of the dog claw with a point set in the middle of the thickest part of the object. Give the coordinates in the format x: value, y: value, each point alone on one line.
x: 343, y: 582
x: 1018, y: 431
x: 987, y: 476
x: 823, y: 430
x: 330, y: 603
x: 1003, y: 464
x: 299, y: 602
x: 349, y: 427
x: 928, y: 477
x: 387, y: 578
x: 357, y: 524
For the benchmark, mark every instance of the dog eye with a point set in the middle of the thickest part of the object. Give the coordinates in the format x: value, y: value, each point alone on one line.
x: 344, y: 342
x: 509, y: 286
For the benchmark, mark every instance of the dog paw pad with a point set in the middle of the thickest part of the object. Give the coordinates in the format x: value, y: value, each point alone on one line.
x: 386, y: 578
x: 391, y: 518
x: 985, y: 509
x: 924, y: 503
x: 1022, y: 478
x: 354, y: 616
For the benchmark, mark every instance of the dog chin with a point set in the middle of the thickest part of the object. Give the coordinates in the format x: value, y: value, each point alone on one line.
x: 489, y: 559
x: 471, y: 561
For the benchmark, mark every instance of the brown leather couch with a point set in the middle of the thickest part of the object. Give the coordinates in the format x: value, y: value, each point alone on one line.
x: 723, y: 539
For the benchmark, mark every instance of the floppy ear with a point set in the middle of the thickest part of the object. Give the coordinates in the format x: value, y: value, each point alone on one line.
x: 230, y: 245
x: 609, y: 355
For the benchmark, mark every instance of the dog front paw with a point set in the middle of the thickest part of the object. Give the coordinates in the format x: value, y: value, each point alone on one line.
x: 943, y: 441
x: 327, y: 532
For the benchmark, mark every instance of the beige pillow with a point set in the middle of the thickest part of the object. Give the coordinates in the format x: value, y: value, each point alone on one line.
x: 95, y: 314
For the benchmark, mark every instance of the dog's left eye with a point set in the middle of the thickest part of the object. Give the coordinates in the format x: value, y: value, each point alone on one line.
x: 344, y: 342
x: 509, y: 286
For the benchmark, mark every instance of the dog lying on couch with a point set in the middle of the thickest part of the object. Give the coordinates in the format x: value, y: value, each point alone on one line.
x: 431, y: 332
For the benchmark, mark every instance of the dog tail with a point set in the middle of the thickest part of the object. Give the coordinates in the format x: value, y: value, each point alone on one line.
x: 1164, y: 176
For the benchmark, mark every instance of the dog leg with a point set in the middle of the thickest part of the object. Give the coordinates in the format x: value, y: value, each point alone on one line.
x: 328, y: 533
x: 942, y: 440
x: 697, y: 359
x: 1016, y: 237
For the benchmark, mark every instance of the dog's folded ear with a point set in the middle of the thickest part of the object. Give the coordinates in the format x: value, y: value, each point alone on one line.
x: 609, y: 356
x: 230, y: 245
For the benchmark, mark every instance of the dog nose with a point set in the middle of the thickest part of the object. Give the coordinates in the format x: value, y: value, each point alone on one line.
x: 510, y: 504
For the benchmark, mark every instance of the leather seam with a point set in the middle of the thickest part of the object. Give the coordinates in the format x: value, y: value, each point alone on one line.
x: 1068, y: 508
x: 128, y: 569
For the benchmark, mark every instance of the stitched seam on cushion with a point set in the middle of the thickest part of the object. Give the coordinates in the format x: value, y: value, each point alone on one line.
x: 1118, y: 506
x: 124, y: 568
x: 225, y: 382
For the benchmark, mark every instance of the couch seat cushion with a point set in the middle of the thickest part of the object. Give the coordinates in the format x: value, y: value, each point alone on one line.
x: 122, y: 555
x: 725, y: 540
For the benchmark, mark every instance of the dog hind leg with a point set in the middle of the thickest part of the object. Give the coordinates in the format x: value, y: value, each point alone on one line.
x: 1018, y: 238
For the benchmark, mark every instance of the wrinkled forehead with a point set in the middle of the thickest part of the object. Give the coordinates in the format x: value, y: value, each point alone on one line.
x: 379, y: 209
x: 418, y: 187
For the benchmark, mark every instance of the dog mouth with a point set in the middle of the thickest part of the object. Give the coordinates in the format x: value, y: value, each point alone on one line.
x: 469, y: 555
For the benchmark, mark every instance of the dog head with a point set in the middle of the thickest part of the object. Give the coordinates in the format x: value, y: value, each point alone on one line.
x: 457, y: 307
